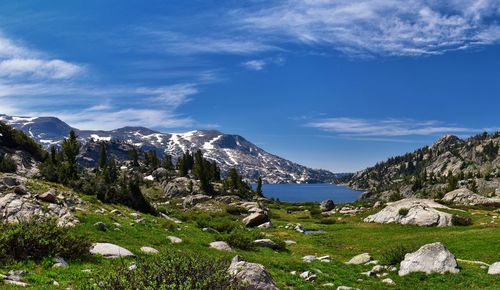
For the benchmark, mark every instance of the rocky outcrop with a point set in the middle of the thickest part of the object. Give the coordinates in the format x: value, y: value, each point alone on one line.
x: 110, y: 250
x: 412, y: 211
x: 251, y: 276
x: 327, y: 205
x: 256, y: 219
x: 463, y: 196
x: 267, y: 243
x: 180, y: 186
x: 430, y: 258
x: 17, y: 205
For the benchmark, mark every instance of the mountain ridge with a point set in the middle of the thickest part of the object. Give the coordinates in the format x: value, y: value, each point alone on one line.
x: 228, y: 150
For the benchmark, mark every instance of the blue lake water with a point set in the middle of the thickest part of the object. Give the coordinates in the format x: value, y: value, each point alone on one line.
x: 310, y: 192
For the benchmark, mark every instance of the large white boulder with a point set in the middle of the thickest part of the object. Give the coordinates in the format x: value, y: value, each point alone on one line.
x: 430, y: 258
x: 252, y: 275
x: 463, y: 196
x: 220, y: 245
x: 421, y: 212
x: 494, y: 269
x: 110, y: 250
x: 360, y: 259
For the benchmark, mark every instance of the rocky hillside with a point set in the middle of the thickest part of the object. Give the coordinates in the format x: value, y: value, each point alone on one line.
x: 473, y: 163
x: 227, y: 150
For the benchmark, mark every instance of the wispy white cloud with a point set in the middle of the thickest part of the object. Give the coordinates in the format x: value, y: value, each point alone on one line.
x: 256, y: 64
x: 377, y: 27
x: 387, y: 128
x: 45, y: 69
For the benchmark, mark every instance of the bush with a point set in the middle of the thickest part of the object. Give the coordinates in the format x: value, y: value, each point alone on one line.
x: 396, y: 254
x: 395, y: 196
x: 220, y: 223
x: 403, y: 211
x: 328, y: 221
x: 35, y: 240
x: 16, y: 139
x: 7, y: 164
x: 170, y: 270
x: 458, y: 220
x: 241, y: 238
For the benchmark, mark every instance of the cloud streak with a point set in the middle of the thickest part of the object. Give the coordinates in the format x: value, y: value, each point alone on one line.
x: 386, y: 128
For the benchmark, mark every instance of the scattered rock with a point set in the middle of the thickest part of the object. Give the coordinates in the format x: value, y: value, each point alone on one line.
x: 266, y: 225
x: 193, y: 200
x: 300, y: 228
x: 327, y: 205
x: 132, y: 266
x: 60, y: 263
x: 110, y: 250
x: 290, y: 242
x: 252, y: 274
x: 494, y: 269
x: 377, y: 269
x: 309, y: 258
x: 377, y: 204
x: 116, y: 212
x: 422, y: 212
x: 101, y: 226
x: 265, y: 243
x: 20, y: 189
x: 220, y: 245
x: 325, y: 259
x: 360, y: 259
x: 174, y: 240
x: 388, y: 281
x: 49, y: 196
x: 464, y: 196
x: 346, y: 288
x: 430, y: 258
x: 180, y: 186
x: 255, y: 219
x: 149, y: 250
x: 308, y: 276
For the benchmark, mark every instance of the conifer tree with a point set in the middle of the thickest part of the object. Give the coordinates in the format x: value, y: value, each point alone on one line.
x: 103, y: 156
x: 258, y: 190
x: 133, y: 155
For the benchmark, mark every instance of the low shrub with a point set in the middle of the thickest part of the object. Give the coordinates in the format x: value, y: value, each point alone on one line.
x: 7, y: 164
x: 36, y: 240
x: 458, y: 220
x: 218, y: 222
x: 236, y: 210
x: 403, y: 211
x: 394, y: 255
x: 170, y: 270
x: 327, y: 221
x: 241, y: 238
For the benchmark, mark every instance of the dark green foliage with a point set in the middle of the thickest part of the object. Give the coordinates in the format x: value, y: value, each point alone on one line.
x: 395, y: 196
x: 458, y: 220
x: 201, y: 169
x: 452, y: 182
x: 185, y: 163
x: 327, y: 221
x: 7, y: 164
x: 234, y: 184
x: 218, y: 222
x: 403, y: 211
x: 490, y: 150
x: 103, y: 156
x: 15, y: 139
x: 35, y: 240
x: 167, y: 162
x: 151, y: 160
x: 258, y: 189
x: 396, y: 254
x: 133, y: 155
x: 472, y: 186
x: 241, y: 238
x: 170, y: 270
x: 236, y: 210
x: 61, y: 166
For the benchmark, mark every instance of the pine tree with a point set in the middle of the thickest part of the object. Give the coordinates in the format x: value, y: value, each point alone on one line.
x: 258, y: 190
x: 70, y: 149
x: 103, y: 156
x: 133, y: 155
x: 201, y: 169
x: 167, y: 162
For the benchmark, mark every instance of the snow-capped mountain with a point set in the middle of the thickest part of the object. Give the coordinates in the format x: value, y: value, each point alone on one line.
x: 227, y: 150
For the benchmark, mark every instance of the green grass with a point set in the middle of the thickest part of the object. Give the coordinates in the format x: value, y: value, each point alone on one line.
x: 345, y: 237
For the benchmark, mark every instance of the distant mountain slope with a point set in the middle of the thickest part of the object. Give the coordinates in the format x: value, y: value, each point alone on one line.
x: 227, y: 150
x: 474, y: 162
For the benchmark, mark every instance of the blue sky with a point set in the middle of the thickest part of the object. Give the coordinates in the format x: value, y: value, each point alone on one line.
x: 338, y: 85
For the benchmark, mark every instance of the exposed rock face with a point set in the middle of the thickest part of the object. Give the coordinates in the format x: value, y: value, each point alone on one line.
x: 422, y: 212
x: 256, y: 219
x: 463, y: 196
x: 49, y: 196
x: 251, y: 276
x: 110, y: 250
x: 430, y: 258
x: 494, y: 269
x: 180, y: 186
x: 360, y: 259
x: 327, y: 205
x: 220, y: 245
x: 193, y: 200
